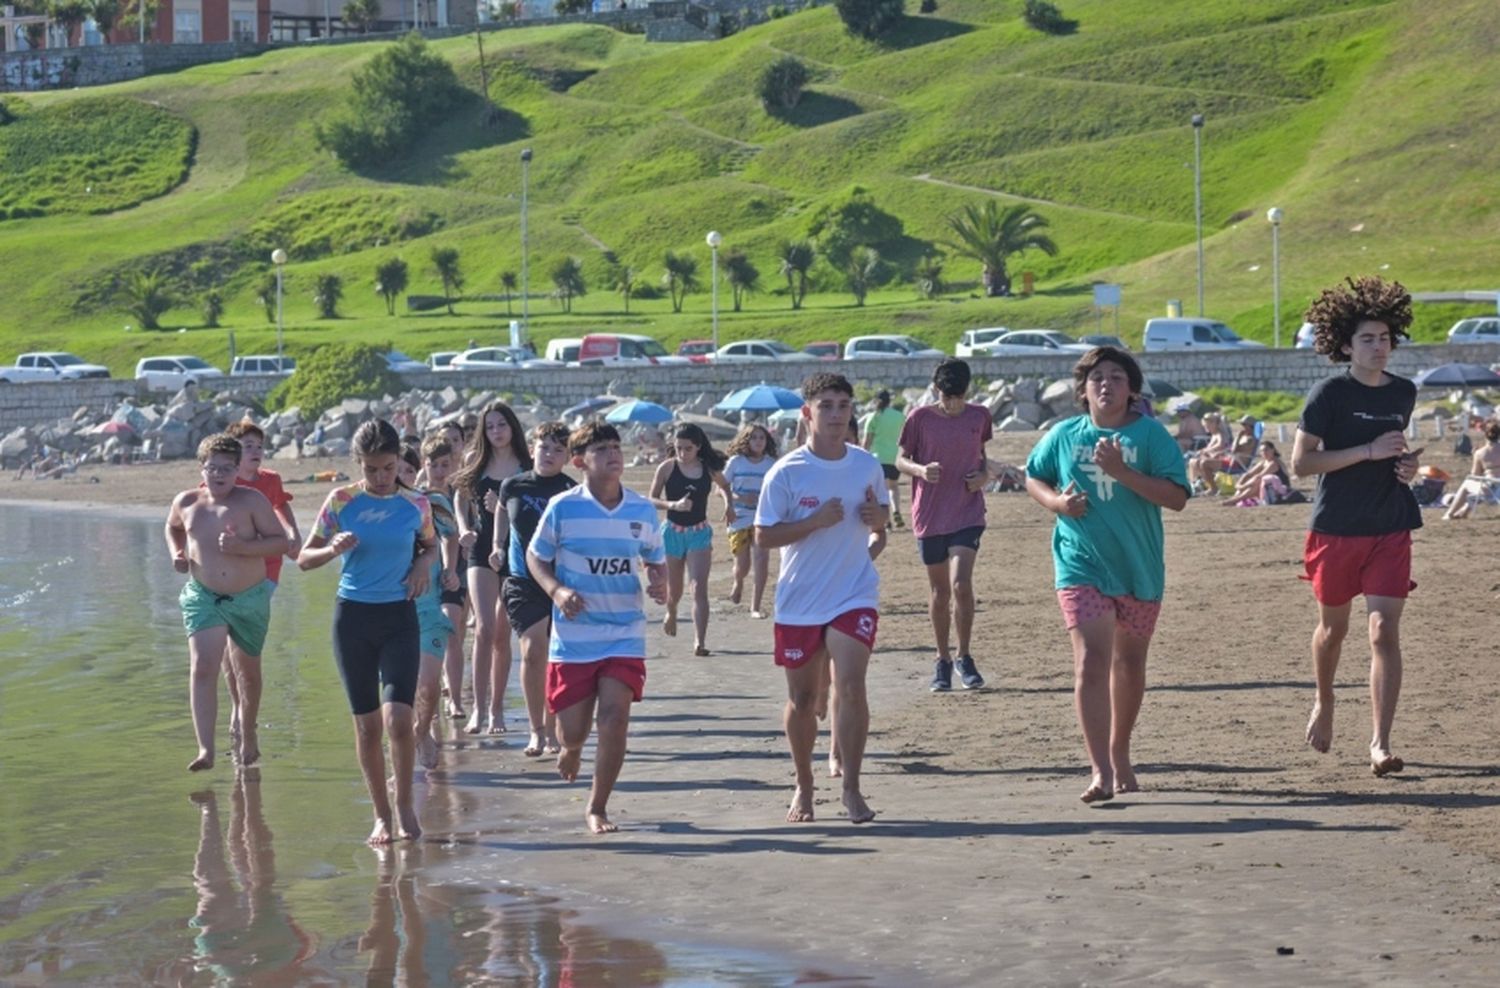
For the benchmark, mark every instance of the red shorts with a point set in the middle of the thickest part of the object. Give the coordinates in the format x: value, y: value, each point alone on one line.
x: 1342, y: 567
x: 796, y: 643
x: 570, y: 682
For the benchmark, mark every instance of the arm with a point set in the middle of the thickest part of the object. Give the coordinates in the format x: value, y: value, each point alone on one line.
x: 1160, y: 491
x: 977, y: 479
x: 448, y: 549
x: 930, y: 472
x: 659, y: 484
x: 319, y: 551
x: 293, y: 533
x: 1069, y: 501
x: 177, y: 537
x: 831, y: 512
x: 728, y: 495
x: 419, y: 577
x: 461, y: 504
x: 1310, y: 459
x: 501, y: 544
x: 566, y: 600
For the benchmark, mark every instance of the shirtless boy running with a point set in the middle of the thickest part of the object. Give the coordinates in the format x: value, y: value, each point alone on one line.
x: 221, y: 534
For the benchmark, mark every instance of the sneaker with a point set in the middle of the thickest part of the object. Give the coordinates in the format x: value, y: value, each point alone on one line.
x: 968, y: 673
x: 942, y: 676
x: 897, y: 519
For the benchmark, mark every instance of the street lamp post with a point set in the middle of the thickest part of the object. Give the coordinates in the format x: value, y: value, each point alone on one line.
x: 278, y: 258
x: 525, y: 254
x: 1273, y: 216
x: 1198, y: 197
x: 714, y: 240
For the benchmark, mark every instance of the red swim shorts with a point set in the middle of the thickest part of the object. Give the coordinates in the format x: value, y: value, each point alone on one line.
x: 1082, y: 603
x: 570, y: 682
x: 1342, y: 567
x: 796, y: 643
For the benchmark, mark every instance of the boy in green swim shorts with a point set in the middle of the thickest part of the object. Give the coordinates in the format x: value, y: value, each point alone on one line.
x: 221, y: 534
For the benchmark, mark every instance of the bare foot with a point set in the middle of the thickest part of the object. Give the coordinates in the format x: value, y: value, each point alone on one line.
x: 381, y: 835
x: 701, y: 650
x: 475, y: 724
x: 1100, y: 790
x: 669, y: 625
x: 835, y: 765
x: 411, y: 827
x: 859, y: 811
x: 1125, y: 780
x: 455, y: 711
x: 801, y: 810
x: 248, y: 750
x: 427, y: 751
x: 1320, y: 728
x: 205, y: 760
x: 735, y: 593
x: 552, y: 746
x: 758, y: 614
x: 534, y: 746
x: 567, y: 763
x: 497, y: 723
x: 1382, y: 762
x: 599, y: 822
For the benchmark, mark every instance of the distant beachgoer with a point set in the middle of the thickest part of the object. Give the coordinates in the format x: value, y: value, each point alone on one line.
x: 882, y: 436
x: 1106, y: 475
x: 221, y: 533
x: 680, y: 488
x: 751, y: 456
x: 433, y: 624
x: 376, y: 525
x: 1485, y: 464
x: 584, y: 555
x: 1352, y: 437
x: 439, y: 459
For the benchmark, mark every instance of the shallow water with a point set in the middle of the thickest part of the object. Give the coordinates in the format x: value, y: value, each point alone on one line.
x: 119, y: 867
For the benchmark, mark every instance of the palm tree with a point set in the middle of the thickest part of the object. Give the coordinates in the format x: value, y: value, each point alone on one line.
x: 567, y: 279
x: 625, y: 276
x: 147, y: 297
x: 680, y: 278
x: 390, y: 282
x: 991, y: 234
x: 929, y: 272
x: 743, y: 276
x: 508, y: 281
x: 328, y: 290
x: 445, y: 262
x: 863, y: 272
x: 797, y: 257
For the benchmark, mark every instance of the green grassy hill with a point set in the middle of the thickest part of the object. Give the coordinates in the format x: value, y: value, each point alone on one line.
x: 1372, y: 123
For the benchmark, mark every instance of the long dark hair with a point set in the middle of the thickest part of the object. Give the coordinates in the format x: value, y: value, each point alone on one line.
x: 375, y: 438
x: 480, y: 450
x: 711, y: 458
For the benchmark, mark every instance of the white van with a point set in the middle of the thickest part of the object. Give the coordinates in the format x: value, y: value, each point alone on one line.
x: 564, y: 348
x: 609, y: 349
x: 1193, y: 334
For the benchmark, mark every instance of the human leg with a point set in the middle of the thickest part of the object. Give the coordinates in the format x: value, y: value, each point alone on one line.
x: 534, y: 684
x: 850, y: 659
x: 800, y: 721
x: 1327, y: 645
x: 961, y: 574
x: 484, y: 593
x: 573, y: 725
x: 612, y: 723
x: 741, y: 570
x: 500, y: 659
x: 1385, y: 679
x: 246, y: 673
x: 368, y: 735
x: 1127, y: 690
x: 675, y: 567
x: 698, y: 564
x: 453, y: 659
x: 1091, y: 629
x: 893, y: 485
x: 205, y: 656
x: 939, y: 607
x: 399, y: 724
x: 233, y: 685
x: 429, y: 686
x: 760, y: 561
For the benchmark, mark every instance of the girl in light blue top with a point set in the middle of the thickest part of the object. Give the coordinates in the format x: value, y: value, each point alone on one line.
x: 1106, y: 475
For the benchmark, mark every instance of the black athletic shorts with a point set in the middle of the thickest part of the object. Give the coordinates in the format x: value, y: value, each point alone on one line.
x: 934, y: 548
x: 525, y: 603
x: 378, y: 651
x: 890, y: 471
x: 459, y: 596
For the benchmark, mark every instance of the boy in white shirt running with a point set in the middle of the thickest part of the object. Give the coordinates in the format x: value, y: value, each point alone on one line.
x: 819, y: 504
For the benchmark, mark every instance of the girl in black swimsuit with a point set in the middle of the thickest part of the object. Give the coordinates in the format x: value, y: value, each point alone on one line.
x: 681, y: 488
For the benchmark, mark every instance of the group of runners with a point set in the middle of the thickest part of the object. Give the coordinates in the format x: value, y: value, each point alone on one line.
x: 558, y: 561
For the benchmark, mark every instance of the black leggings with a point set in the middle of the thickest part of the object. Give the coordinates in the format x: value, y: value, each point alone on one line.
x: 377, y: 645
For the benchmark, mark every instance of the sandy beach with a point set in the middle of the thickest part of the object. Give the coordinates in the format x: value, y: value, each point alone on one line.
x: 1247, y: 859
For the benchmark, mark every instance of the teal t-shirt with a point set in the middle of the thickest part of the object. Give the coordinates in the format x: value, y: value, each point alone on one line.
x: 1117, y: 546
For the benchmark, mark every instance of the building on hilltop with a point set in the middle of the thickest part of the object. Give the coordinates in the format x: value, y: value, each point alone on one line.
x: 191, y: 22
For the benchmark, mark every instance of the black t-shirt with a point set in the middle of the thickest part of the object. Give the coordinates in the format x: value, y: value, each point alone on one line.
x: 1364, y: 498
x: 525, y: 496
x: 680, y: 485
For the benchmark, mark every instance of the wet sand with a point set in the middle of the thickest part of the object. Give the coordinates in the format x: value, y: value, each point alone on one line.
x: 983, y: 867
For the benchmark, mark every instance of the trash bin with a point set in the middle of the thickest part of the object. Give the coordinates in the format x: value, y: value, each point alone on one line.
x: 1174, y: 308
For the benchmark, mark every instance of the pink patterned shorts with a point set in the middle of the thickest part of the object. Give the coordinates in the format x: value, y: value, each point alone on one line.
x: 1080, y: 604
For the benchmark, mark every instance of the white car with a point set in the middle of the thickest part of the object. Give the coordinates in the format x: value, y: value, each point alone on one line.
x: 1477, y: 330
x: 1305, y: 334
x: 442, y: 360
x: 889, y: 347
x: 742, y: 351
x: 501, y: 358
x: 1033, y: 343
x: 1184, y: 333
x: 270, y: 364
x: 972, y: 342
x: 54, y: 366
x: 175, y: 372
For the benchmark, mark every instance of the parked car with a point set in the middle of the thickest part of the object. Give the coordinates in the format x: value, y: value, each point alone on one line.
x: 272, y: 364
x: 564, y: 348
x: 441, y: 360
x: 1477, y: 330
x: 624, y: 348
x: 1032, y: 343
x: 742, y: 351
x: 399, y: 363
x: 501, y: 358
x: 175, y: 372
x: 971, y: 342
x: 1192, y: 334
x: 1103, y: 339
x: 1305, y: 334
x: 697, y: 351
x: 52, y: 366
x: 825, y: 349
x: 889, y: 346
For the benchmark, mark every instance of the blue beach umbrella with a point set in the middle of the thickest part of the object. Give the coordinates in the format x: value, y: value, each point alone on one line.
x: 1458, y: 376
x: 760, y: 398
x: 636, y: 410
x: 590, y: 405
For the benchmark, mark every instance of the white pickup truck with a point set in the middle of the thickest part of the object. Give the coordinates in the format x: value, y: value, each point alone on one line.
x: 50, y: 367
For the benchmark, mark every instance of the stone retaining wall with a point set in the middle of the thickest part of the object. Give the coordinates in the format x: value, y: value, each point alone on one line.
x: 1252, y: 370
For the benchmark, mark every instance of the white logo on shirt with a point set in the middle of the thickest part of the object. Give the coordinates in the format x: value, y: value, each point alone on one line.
x: 373, y: 516
x: 1104, y: 484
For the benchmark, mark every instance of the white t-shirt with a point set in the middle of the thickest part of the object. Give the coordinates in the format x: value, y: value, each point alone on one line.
x: 828, y: 572
x: 744, y: 477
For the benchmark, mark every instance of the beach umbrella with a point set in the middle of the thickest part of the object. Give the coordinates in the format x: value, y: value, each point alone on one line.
x: 1157, y: 388
x: 1458, y: 376
x: 636, y: 410
x: 760, y: 398
x: 113, y: 428
x: 591, y: 405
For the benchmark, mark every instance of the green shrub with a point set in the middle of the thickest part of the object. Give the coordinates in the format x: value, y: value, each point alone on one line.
x: 212, y: 307
x: 399, y: 95
x: 390, y: 281
x: 1045, y: 17
x: 781, y: 83
x: 332, y: 373
x: 328, y: 290
x: 869, y: 18
x: 851, y: 221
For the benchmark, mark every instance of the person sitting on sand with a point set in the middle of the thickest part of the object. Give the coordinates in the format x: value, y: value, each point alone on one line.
x: 828, y: 591
x: 584, y: 555
x: 222, y: 534
x: 1352, y: 437
x: 1483, y: 482
x: 1106, y: 475
x: 1266, y: 482
x: 1211, y: 454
